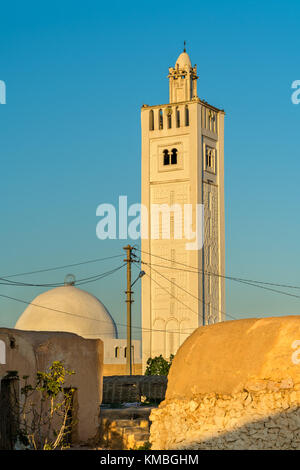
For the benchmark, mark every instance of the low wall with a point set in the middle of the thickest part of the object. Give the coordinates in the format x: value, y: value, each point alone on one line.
x: 264, y: 417
x: 124, y: 428
x: 233, y: 385
x: 28, y: 352
x: 131, y: 388
x: 121, y: 369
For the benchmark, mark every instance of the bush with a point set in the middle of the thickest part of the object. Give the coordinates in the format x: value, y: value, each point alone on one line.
x: 44, y: 411
x: 158, y: 365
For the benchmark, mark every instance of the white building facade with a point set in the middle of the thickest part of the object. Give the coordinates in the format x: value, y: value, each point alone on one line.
x: 70, y: 309
x: 182, y: 163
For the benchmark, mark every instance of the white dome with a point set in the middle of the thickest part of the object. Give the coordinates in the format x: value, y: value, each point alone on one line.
x: 183, y: 60
x: 70, y: 309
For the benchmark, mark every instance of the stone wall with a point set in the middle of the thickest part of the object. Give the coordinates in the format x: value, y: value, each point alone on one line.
x: 264, y: 416
x: 124, y: 428
x: 233, y: 385
x: 127, y: 389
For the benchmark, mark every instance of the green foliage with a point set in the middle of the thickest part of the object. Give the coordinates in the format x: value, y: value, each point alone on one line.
x: 158, y: 365
x: 145, y: 446
x: 44, y: 410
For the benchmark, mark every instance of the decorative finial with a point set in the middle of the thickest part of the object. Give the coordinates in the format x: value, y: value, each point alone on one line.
x: 184, y: 44
x: 70, y: 280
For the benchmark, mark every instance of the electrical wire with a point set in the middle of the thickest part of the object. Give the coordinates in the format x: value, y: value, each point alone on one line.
x: 189, y: 293
x: 254, y: 283
x: 96, y: 260
x: 80, y: 316
x: 78, y: 282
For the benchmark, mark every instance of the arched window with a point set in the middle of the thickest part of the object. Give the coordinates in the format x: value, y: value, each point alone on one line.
x: 160, y: 119
x: 166, y: 157
x: 174, y: 157
x: 169, y: 120
x: 151, y: 120
x: 177, y: 117
x: 187, y: 116
x: 116, y: 351
x: 210, y: 159
x: 125, y: 352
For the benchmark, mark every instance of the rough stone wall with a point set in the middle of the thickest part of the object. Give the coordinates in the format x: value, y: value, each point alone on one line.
x: 266, y: 415
x: 124, y: 428
x: 131, y: 388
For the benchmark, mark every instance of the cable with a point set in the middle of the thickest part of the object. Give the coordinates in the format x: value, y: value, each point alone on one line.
x: 186, y: 306
x: 242, y: 282
x: 63, y: 267
x: 192, y: 295
x: 253, y: 283
x: 79, y: 282
x: 189, y: 293
x: 172, y: 295
x: 78, y: 315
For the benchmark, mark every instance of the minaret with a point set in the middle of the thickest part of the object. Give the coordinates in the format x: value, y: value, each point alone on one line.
x: 182, y: 163
x: 182, y: 80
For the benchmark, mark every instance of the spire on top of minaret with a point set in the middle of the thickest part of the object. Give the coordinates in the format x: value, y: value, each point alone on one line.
x: 183, y: 79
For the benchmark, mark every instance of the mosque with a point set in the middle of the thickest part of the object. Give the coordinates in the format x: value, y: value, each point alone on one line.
x: 182, y: 164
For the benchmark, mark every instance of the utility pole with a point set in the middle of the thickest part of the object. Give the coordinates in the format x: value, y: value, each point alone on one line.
x: 129, y: 301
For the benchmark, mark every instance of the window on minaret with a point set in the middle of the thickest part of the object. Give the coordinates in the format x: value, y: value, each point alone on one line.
x: 187, y: 116
x: 169, y: 121
x: 177, y: 117
x: 166, y: 157
x: 151, y: 120
x: 116, y: 351
x: 161, y: 119
x: 174, y: 157
x: 210, y: 158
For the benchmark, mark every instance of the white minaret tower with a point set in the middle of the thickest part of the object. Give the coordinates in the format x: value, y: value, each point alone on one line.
x: 182, y: 163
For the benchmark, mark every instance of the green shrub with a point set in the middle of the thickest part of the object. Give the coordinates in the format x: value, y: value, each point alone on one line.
x: 158, y: 365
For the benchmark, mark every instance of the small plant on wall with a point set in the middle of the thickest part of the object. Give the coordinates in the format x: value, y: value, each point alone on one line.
x: 158, y: 365
x: 45, y: 420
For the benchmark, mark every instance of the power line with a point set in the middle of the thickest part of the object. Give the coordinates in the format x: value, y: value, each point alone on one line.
x: 186, y: 306
x: 78, y: 315
x: 240, y: 281
x: 82, y: 281
x: 189, y: 293
x: 63, y: 267
x: 254, y: 283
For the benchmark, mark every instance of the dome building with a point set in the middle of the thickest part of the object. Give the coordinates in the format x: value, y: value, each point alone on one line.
x: 70, y: 309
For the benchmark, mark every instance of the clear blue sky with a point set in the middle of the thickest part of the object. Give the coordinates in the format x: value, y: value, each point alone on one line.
x: 77, y: 74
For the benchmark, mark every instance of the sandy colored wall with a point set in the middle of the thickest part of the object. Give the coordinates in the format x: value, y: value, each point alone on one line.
x: 240, y: 388
x: 263, y: 419
x: 120, y: 369
x: 28, y: 352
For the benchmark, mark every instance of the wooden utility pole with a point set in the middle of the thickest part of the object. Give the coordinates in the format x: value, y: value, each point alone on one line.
x: 129, y: 301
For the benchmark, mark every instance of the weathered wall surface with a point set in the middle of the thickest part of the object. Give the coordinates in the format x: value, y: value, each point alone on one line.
x: 28, y: 352
x: 128, y: 389
x: 124, y: 428
x: 240, y: 388
x: 121, y: 369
